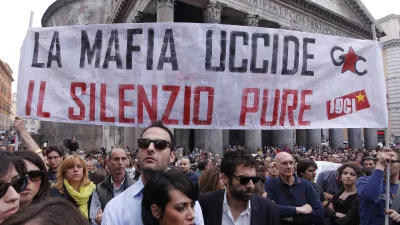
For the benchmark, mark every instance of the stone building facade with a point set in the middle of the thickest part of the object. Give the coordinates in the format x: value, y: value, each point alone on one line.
x: 347, y: 18
x: 6, y: 80
x: 391, y: 54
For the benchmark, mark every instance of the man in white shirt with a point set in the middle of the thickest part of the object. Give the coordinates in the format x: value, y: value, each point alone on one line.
x: 156, y: 147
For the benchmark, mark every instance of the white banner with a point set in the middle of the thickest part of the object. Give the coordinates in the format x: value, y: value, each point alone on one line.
x: 326, y: 166
x: 201, y: 76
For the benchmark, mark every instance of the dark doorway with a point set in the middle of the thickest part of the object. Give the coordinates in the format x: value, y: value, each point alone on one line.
x: 237, y: 137
x: 185, y: 13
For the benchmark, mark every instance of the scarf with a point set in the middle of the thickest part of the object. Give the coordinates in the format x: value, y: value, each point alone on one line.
x: 82, y: 197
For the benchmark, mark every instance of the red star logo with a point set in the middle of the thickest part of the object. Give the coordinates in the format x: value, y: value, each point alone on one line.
x: 350, y: 61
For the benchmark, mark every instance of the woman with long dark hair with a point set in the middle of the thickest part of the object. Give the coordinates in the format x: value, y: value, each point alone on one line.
x: 38, y: 186
x: 169, y: 199
x: 55, y: 211
x: 344, y: 206
x: 12, y: 182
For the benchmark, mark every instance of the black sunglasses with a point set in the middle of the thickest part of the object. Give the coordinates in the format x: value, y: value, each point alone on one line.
x: 246, y: 180
x: 35, y: 175
x: 19, y: 186
x: 158, y: 144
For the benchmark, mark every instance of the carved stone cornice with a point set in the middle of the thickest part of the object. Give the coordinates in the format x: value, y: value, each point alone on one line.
x: 142, y: 17
x: 308, y: 6
x: 391, y: 43
x: 53, y: 8
x: 213, y: 12
x: 252, y: 20
x: 163, y: 3
x: 121, y: 10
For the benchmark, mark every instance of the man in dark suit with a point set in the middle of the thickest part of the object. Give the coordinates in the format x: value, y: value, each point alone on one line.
x: 237, y: 204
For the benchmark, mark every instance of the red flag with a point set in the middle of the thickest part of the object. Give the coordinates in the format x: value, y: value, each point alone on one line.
x: 347, y: 104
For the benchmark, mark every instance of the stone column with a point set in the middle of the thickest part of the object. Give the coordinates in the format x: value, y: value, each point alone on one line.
x: 281, y: 138
x: 182, y: 138
x: 165, y: 10
x: 336, y: 138
x: 253, y: 140
x: 212, y: 139
x: 371, y: 138
x: 301, y: 137
x: 354, y: 138
x: 252, y: 20
x: 129, y: 138
x: 213, y: 12
x: 225, y: 138
x: 313, y: 138
x: 209, y: 140
x: 138, y: 134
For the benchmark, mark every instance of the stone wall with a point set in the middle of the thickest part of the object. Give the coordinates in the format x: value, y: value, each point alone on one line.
x: 77, y: 12
x: 89, y: 137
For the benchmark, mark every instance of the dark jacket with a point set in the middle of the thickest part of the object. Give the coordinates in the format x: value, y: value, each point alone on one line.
x: 55, y: 193
x: 263, y: 211
x: 350, y: 207
x: 106, y: 191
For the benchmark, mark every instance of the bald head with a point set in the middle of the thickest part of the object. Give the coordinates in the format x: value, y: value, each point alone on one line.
x: 184, y: 165
x: 285, y: 164
x: 115, y: 150
x: 282, y: 156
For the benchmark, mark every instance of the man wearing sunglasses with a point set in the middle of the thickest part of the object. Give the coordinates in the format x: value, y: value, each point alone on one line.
x: 237, y: 204
x: 296, y: 198
x: 156, y: 146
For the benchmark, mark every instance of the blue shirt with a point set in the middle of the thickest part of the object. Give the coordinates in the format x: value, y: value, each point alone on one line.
x: 126, y: 208
x: 327, y: 180
x: 372, y: 194
x: 303, y: 193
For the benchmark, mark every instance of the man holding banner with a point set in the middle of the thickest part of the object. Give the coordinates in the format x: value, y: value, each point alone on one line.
x: 371, y: 190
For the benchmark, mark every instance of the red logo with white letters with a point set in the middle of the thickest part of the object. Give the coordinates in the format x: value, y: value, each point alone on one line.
x: 347, y: 104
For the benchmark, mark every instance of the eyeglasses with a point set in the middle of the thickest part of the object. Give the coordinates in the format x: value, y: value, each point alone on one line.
x: 19, y: 186
x: 35, y: 175
x: 158, y: 144
x: 246, y: 180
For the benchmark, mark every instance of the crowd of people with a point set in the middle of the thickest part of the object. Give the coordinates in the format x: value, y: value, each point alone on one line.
x: 162, y: 184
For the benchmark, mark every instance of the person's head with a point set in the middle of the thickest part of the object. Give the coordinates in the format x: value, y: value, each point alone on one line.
x: 335, y: 158
x: 184, y: 165
x: 358, y: 159
x: 284, y: 164
x: 73, y: 169
x: 3, y: 147
x: 267, y: 160
x: 156, y: 146
x: 307, y: 169
x: 89, y: 166
x: 98, y: 176
x: 395, y: 164
x: 272, y: 169
x: 12, y: 182
x: 211, y: 180
x: 311, y: 157
x: 369, y: 162
x: 118, y: 161
x: 10, y: 148
x: 203, y: 164
x: 258, y: 158
x: 73, y: 139
x: 318, y: 158
x: 55, y: 211
x: 38, y: 186
x: 348, y: 174
x: 239, y: 174
x: 325, y: 154
x: 169, y: 199
x: 54, y: 156
x: 218, y: 162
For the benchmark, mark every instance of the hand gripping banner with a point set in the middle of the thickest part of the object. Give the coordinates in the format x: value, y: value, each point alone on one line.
x: 201, y: 76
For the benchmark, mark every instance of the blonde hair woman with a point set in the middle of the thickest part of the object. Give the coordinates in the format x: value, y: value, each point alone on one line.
x: 73, y: 184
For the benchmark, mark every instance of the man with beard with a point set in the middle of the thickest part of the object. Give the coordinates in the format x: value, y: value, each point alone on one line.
x: 237, y: 204
x: 156, y: 146
x: 296, y: 198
